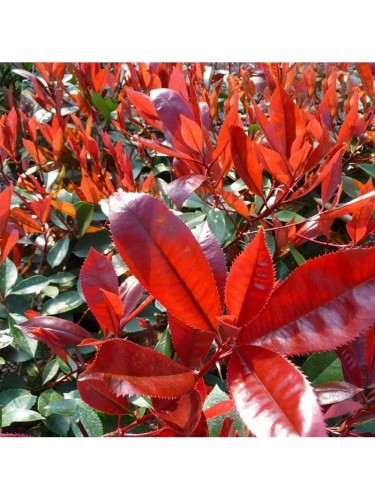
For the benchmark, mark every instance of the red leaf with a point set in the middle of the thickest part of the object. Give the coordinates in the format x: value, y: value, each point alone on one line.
x: 214, y: 255
x: 220, y: 409
x: 272, y: 397
x: 357, y: 227
x: 250, y: 281
x: 98, y: 274
x: 223, y: 146
x: 180, y: 189
x: 326, y: 302
x: 348, y: 126
x: 192, y: 345
x: 95, y: 393
x: 285, y: 118
x: 334, y: 392
x: 130, y: 293
x: 162, y: 148
x: 365, y: 74
x: 245, y: 161
x: 331, y: 181
x: 274, y: 163
x: 273, y: 139
x: 192, y: 135
x: 67, y: 332
x: 184, y: 415
x: 5, y: 198
x: 170, y: 107
x: 49, y: 338
x: 342, y: 408
x: 165, y: 257
x: 129, y: 369
x: 144, y: 107
x: 235, y: 202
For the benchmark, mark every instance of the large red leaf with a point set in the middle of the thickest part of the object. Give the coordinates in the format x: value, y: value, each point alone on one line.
x: 245, y: 161
x: 95, y: 393
x: 250, y: 281
x: 326, y: 302
x: 272, y: 397
x: 129, y: 369
x: 165, y: 257
x: 67, y: 332
x: 98, y: 276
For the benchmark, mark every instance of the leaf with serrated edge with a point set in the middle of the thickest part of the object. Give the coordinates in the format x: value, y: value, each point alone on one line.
x: 326, y: 302
x: 165, y: 257
x: 272, y: 397
x: 250, y: 281
x: 128, y: 369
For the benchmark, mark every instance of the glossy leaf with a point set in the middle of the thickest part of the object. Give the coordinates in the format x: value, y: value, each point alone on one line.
x: 180, y: 189
x: 127, y: 369
x: 173, y: 270
x: 284, y: 118
x: 67, y: 332
x: 245, y: 161
x: 214, y: 255
x: 191, y: 345
x: 274, y: 163
x: 250, y: 281
x: 334, y: 392
x: 272, y: 396
x: 319, y: 307
x: 5, y: 198
x: 95, y: 393
x: 184, y: 415
x: 98, y: 276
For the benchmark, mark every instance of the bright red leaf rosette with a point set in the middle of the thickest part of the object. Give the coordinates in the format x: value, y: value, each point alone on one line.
x: 317, y: 308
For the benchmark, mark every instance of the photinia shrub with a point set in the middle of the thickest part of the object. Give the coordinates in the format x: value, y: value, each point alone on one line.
x: 187, y: 250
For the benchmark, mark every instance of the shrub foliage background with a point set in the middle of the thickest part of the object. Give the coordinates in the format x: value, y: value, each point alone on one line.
x: 230, y: 148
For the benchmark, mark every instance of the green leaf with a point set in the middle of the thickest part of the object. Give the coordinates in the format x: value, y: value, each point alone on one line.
x: 164, y: 344
x: 58, y: 424
x: 35, y: 284
x: 8, y: 276
x: 368, y: 168
x: 322, y: 367
x: 218, y: 223
x: 101, y: 105
x: 192, y: 219
x: 101, y: 241
x: 84, y: 213
x: 58, y: 252
x: 47, y: 397
x: 28, y: 344
x: 215, y: 424
x: 50, y: 371
x: 15, y: 407
x: 62, y: 278
x: 89, y: 419
x: 67, y: 301
x: 299, y: 258
x: 65, y: 407
x: 288, y: 215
